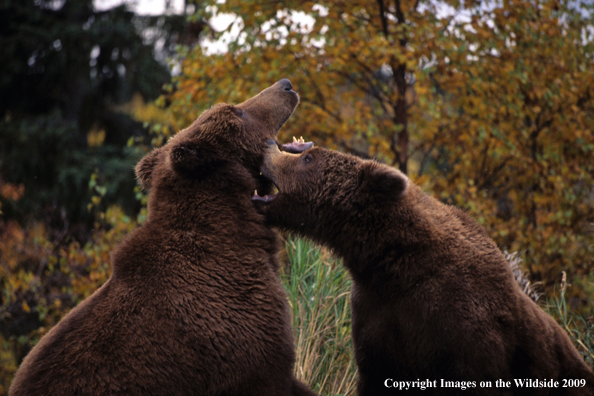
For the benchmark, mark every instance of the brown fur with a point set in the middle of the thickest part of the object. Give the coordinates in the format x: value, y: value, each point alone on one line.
x: 433, y: 296
x: 194, y: 305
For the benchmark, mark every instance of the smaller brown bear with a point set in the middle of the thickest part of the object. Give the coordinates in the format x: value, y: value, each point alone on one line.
x: 433, y: 297
x: 194, y: 305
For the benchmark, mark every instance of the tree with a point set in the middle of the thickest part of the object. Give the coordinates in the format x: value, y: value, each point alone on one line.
x: 520, y: 142
x: 65, y: 68
x: 489, y: 107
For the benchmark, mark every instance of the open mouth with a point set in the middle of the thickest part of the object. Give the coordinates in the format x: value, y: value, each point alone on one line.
x: 270, y: 194
x: 267, y: 190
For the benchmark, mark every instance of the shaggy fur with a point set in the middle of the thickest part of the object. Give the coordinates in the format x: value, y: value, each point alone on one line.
x: 433, y: 297
x: 194, y: 305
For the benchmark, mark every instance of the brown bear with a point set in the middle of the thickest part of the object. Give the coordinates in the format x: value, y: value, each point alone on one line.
x: 434, y: 301
x: 194, y: 305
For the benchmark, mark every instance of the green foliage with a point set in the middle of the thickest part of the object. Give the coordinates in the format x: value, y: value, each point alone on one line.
x: 45, y: 155
x: 67, y: 54
x: 66, y: 71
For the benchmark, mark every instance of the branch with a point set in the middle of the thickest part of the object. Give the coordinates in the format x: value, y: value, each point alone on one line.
x: 487, y: 181
x: 383, y: 17
x: 399, y: 13
x: 376, y: 93
x: 400, y: 16
x: 320, y: 99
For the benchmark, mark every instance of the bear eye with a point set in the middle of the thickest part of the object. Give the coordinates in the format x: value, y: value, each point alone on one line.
x: 238, y: 112
x: 307, y: 159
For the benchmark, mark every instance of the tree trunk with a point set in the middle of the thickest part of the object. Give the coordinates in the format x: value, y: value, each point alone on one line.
x: 400, y: 141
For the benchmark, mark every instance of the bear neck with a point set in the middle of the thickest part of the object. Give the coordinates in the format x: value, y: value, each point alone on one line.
x: 219, y: 206
x: 204, y: 211
x: 381, y: 242
x: 210, y: 224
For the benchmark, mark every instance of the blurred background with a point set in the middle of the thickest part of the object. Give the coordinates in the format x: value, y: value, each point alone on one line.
x: 488, y: 105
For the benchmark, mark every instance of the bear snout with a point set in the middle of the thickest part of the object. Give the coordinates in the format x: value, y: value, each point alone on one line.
x: 285, y: 84
x: 273, y: 106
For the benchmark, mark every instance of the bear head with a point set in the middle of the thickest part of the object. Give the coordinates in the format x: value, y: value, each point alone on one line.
x: 319, y: 189
x: 224, y: 148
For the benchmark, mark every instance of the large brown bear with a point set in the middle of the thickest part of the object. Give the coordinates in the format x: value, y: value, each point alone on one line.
x: 434, y: 300
x: 194, y: 305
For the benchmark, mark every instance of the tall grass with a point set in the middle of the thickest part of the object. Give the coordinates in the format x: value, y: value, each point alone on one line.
x: 580, y: 329
x: 319, y: 291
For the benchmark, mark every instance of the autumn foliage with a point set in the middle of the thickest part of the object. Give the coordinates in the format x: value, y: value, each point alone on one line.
x: 43, y: 276
x: 489, y: 107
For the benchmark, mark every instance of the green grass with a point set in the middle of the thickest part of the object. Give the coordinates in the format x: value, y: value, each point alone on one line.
x: 319, y: 291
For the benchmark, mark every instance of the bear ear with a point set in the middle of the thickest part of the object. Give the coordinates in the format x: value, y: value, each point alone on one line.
x: 383, y: 181
x: 194, y: 159
x: 144, y: 169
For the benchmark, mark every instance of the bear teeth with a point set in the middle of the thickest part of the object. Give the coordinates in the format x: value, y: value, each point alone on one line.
x: 266, y: 198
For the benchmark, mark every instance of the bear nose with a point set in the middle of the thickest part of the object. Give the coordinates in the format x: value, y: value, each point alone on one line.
x: 270, y: 142
x: 286, y: 84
